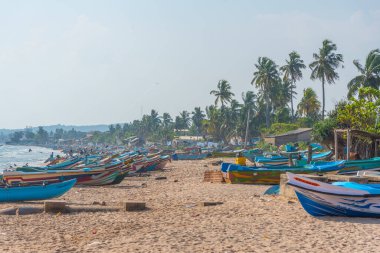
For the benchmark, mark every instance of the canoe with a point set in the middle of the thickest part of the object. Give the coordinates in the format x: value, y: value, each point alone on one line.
x: 338, y: 199
x: 282, y: 160
x: 86, y: 176
x: 353, y: 166
x: 237, y: 174
x: 35, y: 192
x: 220, y: 154
x: 189, y: 156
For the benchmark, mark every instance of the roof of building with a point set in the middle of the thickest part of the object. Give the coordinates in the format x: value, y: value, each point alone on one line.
x: 293, y: 132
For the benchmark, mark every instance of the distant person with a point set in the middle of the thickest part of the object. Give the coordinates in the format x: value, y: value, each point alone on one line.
x: 30, y: 150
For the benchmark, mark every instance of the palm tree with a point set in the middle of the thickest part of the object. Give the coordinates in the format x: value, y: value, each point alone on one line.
x: 185, y: 119
x: 154, y: 119
x: 324, y: 66
x: 264, y: 78
x: 198, y: 117
x: 223, y: 94
x: 166, y: 119
x: 292, y: 71
x: 309, y: 104
x: 369, y: 74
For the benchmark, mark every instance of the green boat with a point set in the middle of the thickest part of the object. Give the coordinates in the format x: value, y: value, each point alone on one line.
x: 236, y: 174
x: 353, y: 166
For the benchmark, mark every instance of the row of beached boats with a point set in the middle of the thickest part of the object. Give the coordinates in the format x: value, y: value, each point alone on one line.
x: 60, y: 175
x: 317, y: 198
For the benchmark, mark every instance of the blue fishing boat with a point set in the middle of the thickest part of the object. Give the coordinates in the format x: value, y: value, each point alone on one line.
x: 35, y: 192
x: 282, y: 160
x: 189, y: 156
x: 337, y: 199
x: 234, y: 173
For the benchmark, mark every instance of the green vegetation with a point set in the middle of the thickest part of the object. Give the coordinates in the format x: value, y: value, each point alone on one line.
x: 267, y: 110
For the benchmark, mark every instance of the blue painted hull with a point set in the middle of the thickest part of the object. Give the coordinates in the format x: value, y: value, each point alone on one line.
x: 37, y: 192
x: 316, y: 206
x: 338, y: 199
x: 177, y: 157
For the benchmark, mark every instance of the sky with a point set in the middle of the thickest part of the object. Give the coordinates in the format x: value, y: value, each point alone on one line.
x: 100, y: 62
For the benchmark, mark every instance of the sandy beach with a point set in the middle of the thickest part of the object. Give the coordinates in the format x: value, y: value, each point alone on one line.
x: 247, y: 221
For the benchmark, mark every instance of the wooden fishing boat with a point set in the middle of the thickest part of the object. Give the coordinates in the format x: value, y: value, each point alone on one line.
x: 86, y: 176
x: 282, y: 160
x: 35, y: 192
x: 164, y: 159
x: 220, y: 154
x: 251, y: 154
x: 337, y: 199
x: 353, y: 166
x: 190, y: 156
x: 234, y: 173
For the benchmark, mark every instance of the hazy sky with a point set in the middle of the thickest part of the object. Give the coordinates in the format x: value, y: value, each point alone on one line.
x: 88, y: 62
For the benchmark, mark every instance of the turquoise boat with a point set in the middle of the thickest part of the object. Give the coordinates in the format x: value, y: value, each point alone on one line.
x: 353, y: 166
x: 189, y: 156
x: 35, y: 192
x: 282, y: 160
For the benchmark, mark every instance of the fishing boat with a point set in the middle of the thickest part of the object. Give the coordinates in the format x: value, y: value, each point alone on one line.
x: 337, y: 199
x: 234, y: 173
x: 220, y: 154
x: 35, y: 192
x: 85, y: 176
x: 282, y: 160
x: 251, y: 154
x: 190, y: 156
x: 353, y: 166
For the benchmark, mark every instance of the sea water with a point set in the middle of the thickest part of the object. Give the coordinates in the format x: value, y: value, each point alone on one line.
x: 20, y: 155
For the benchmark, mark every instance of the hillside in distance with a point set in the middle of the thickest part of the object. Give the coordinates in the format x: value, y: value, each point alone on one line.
x: 86, y: 128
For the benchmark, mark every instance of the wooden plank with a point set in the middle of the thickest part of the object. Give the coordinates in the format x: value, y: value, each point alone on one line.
x: 55, y: 206
x: 133, y: 206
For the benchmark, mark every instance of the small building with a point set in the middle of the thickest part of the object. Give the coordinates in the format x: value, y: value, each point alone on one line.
x: 301, y: 134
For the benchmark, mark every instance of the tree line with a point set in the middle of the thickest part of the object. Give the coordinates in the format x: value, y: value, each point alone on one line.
x: 269, y: 108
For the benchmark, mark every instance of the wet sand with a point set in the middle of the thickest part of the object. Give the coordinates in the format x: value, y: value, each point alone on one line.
x: 174, y: 222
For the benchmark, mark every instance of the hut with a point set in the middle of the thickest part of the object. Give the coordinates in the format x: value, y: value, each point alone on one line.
x: 301, y: 134
x: 361, y: 144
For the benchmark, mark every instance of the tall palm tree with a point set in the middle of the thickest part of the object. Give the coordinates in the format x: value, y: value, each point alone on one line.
x: 264, y: 78
x: 309, y: 104
x: 369, y: 74
x: 185, y: 119
x: 223, y: 94
x: 292, y: 71
x: 166, y: 120
x: 197, y: 118
x: 154, y: 120
x: 324, y: 65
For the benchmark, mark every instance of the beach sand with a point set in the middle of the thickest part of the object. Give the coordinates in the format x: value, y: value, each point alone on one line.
x: 175, y: 222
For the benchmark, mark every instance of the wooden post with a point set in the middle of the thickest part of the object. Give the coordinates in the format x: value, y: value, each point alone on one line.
x: 336, y: 144
x: 348, y: 144
x: 291, y: 160
x: 309, y: 153
x: 246, y: 129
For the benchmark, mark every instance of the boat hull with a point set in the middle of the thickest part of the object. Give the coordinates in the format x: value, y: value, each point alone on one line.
x: 320, y: 204
x: 237, y: 174
x: 35, y: 192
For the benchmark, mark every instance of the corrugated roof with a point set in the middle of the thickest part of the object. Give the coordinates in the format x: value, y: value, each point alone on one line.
x: 297, y: 131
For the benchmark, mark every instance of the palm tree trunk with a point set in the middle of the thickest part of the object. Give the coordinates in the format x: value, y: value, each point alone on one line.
x: 291, y: 102
x: 323, y: 98
x: 267, y: 121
